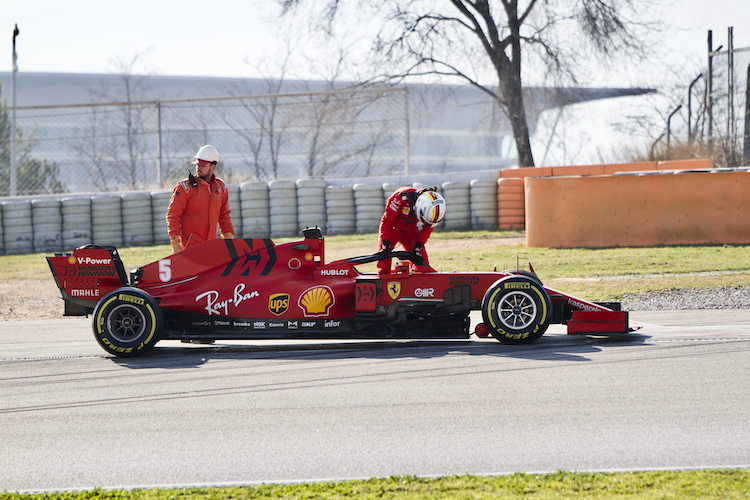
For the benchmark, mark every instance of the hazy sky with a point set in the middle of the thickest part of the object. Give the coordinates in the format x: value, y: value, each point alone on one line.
x: 189, y: 37
x: 219, y: 37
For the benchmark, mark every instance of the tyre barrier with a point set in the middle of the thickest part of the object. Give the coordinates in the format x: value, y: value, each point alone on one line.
x: 368, y: 205
x: 235, y: 207
x: 511, y: 211
x: 388, y: 189
x: 76, y: 222
x: 457, y: 205
x: 137, y: 219
x: 311, y: 204
x: 18, y: 232
x: 46, y: 218
x: 106, y: 220
x: 483, y: 195
x: 282, y: 203
x: 259, y: 210
x: 340, y: 212
x: 159, y: 204
x: 254, y: 213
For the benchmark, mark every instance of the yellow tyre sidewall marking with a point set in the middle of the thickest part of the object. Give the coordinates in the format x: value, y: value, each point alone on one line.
x: 101, y: 332
x: 153, y: 328
x: 518, y: 336
x: 101, y: 311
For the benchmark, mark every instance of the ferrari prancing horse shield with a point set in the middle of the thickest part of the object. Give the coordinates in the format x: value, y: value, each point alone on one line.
x: 394, y: 289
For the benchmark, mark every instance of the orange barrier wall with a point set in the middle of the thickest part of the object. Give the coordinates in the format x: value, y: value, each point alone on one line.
x: 638, y: 210
x: 607, y: 169
x: 510, y: 193
x: 511, y: 207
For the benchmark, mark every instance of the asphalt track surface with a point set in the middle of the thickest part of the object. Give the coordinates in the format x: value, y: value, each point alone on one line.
x: 673, y: 395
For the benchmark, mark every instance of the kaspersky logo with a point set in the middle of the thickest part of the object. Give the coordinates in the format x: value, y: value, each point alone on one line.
x: 316, y: 301
x: 278, y: 303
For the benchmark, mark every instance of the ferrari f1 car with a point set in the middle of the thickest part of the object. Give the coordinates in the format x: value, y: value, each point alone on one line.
x: 255, y: 289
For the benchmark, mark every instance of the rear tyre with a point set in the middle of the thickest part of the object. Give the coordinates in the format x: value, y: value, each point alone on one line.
x: 516, y: 309
x: 127, y: 322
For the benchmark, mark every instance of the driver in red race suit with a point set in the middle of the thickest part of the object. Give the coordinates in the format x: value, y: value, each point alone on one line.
x: 410, y: 216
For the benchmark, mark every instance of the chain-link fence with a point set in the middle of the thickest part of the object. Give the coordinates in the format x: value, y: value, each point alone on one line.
x: 147, y: 145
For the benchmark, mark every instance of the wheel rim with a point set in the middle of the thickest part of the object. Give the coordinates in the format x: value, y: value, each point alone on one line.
x: 517, y: 310
x: 126, y: 323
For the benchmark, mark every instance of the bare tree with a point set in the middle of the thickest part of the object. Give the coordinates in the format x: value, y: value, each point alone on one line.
x: 330, y: 119
x: 114, y: 149
x: 465, y: 38
x: 35, y: 176
x: 267, y: 131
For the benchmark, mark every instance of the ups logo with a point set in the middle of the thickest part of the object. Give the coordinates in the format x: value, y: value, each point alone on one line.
x: 278, y: 303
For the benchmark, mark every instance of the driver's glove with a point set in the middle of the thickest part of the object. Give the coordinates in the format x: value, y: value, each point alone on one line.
x: 418, y: 248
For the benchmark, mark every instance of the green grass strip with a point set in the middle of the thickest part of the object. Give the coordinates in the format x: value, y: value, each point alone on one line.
x: 685, y: 484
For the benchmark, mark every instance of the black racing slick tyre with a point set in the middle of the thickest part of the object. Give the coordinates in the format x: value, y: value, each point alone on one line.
x: 516, y: 309
x: 127, y: 322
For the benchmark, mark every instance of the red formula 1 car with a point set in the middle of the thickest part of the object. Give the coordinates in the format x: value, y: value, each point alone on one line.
x: 254, y: 289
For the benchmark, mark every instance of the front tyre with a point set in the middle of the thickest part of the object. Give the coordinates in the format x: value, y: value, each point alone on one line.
x: 127, y: 322
x: 516, y: 309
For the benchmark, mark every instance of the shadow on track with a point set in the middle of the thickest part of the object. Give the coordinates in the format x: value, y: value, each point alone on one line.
x: 552, y: 348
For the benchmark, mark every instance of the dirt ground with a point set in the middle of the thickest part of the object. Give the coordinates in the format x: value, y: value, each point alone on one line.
x: 30, y: 299
x: 40, y: 299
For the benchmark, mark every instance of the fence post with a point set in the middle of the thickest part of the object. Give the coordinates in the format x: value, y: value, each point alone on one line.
x: 159, y: 178
x: 746, y: 142
x: 669, y: 129
x: 710, y: 91
x: 13, y: 160
x: 406, y: 130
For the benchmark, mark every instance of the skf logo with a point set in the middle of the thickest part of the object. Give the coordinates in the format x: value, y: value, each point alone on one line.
x: 278, y: 303
x: 394, y: 289
x: 316, y: 301
x: 426, y: 293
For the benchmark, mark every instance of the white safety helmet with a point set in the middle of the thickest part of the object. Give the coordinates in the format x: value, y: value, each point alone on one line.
x: 206, y: 153
x: 429, y: 208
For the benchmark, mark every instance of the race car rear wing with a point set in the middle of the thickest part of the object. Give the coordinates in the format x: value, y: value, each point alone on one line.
x: 86, y: 275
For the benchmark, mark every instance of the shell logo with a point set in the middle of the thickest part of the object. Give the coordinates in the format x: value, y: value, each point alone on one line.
x: 316, y: 301
x: 71, y: 260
